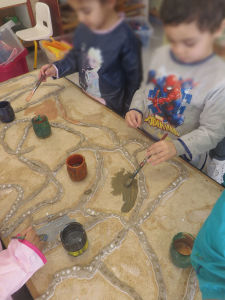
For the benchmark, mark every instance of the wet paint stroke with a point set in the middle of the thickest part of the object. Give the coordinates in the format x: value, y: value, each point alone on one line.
x: 129, y: 194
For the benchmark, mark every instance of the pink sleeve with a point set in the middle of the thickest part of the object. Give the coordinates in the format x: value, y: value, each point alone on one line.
x: 17, y: 264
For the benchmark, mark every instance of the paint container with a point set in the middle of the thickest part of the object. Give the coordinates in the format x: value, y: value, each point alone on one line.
x: 41, y: 126
x: 181, y: 248
x: 74, y: 239
x: 6, y: 112
x: 76, y: 167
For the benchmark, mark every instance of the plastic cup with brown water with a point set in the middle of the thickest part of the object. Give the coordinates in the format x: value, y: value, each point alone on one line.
x: 181, y: 248
x: 76, y: 167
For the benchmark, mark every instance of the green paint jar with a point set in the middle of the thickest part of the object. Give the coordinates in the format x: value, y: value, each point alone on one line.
x: 41, y: 126
x: 181, y: 248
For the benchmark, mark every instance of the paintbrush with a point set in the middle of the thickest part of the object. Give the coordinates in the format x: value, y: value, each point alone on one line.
x: 141, y: 165
x: 42, y: 237
x: 35, y: 88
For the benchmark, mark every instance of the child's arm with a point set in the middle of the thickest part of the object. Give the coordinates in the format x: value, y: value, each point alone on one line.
x: 211, y: 128
x: 65, y: 66
x: 132, y: 66
x: 19, y: 262
x: 138, y: 109
x: 68, y: 64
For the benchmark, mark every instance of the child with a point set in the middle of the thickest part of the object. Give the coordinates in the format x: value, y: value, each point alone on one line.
x: 186, y: 87
x: 208, y: 253
x: 19, y: 262
x: 106, y: 54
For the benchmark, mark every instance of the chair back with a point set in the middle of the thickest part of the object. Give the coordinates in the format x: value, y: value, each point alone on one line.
x: 43, y: 18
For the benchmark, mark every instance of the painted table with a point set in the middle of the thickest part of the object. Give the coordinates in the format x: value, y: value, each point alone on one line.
x: 128, y: 253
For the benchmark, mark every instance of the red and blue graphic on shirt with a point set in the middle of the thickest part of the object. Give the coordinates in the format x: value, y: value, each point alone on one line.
x: 168, y: 99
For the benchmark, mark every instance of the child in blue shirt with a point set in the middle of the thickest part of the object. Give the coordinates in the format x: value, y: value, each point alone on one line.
x: 106, y: 54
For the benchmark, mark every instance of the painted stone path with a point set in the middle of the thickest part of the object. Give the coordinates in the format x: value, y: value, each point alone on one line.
x: 128, y: 254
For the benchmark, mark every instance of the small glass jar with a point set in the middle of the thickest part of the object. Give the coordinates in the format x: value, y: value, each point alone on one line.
x: 74, y: 239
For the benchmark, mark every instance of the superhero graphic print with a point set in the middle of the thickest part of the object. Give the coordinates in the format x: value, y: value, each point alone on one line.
x: 168, y: 99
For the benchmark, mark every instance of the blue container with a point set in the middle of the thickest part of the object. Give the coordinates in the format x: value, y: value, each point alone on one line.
x: 142, y: 29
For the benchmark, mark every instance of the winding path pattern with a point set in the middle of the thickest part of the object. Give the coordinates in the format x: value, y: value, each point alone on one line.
x: 8, y: 224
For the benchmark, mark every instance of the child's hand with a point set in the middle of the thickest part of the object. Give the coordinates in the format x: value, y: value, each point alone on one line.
x: 161, y: 151
x: 133, y: 118
x: 47, y: 71
x: 32, y: 237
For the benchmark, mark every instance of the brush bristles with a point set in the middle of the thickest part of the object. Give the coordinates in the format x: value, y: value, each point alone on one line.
x: 29, y: 96
x: 128, y: 182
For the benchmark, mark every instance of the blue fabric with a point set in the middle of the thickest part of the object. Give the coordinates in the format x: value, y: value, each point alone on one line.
x: 186, y: 149
x: 190, y: 64
x: 219, y: 151
x: 120, y: 73
x: 208, y: 254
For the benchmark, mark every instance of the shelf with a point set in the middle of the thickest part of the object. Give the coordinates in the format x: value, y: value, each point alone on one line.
x: 69, y: 26
x: 129, y: 7
x: 7, y: 3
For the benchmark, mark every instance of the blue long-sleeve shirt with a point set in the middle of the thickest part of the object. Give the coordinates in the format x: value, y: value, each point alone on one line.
x: 109, y: 64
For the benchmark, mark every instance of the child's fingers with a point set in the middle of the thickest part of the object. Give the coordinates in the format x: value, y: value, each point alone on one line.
x: 158, y: 158
x: 30, y: 235
x: 45, y: 71
x: 161, y: 151
x: 155, y: 148
x: 139, y: 120
x: 50, y: 72
x: 24, y: 232
x: 129, y: 120
x: 133, y: 119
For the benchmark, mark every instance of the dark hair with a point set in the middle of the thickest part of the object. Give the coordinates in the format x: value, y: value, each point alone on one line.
x: 118, y: 6
x: 208, y: 14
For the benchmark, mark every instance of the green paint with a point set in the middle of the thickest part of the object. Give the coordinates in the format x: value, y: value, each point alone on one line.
x: 88, y: 192
x: 39, y: 118
x: 41, y: 126
x: 129, y: 194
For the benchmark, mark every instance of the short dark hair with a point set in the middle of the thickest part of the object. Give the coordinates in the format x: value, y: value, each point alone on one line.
x: 118, y: 5
x: 208, y: 14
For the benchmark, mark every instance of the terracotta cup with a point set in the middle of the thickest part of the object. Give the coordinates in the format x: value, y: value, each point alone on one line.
x: 76, y: 167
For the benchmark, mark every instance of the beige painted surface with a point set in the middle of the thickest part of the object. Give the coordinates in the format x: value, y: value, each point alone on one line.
x: 128, y: 254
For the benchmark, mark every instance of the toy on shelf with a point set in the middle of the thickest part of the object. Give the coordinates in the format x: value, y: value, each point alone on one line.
x: 142, y: 29
x: 55, y: 50
x: 12, y: 55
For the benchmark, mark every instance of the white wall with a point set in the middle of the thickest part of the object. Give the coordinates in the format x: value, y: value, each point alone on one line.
x: 22, y: 13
